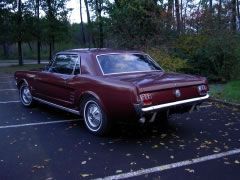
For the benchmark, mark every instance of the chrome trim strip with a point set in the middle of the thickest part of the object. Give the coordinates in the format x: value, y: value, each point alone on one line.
x: 57, y: 106
x: 174, y: 103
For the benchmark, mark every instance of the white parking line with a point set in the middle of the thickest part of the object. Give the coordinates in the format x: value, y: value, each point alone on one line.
x: 36, y: 124
x: 7, y: 102
x: 171, y: 166
x: 8, y: 89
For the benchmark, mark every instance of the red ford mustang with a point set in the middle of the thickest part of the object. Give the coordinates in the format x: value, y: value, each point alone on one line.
x: 105, y: 86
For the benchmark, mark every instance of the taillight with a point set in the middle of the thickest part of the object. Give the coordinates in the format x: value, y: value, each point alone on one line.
x: 146, y: 99
x: 202, y: 89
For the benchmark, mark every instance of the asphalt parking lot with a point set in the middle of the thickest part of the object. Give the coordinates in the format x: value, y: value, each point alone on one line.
x: 46, y: 143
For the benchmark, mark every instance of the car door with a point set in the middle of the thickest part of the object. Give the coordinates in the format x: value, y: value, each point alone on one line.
x: 53, y: 84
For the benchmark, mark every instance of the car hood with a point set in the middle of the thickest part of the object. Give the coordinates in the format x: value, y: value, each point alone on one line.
x: 152, y: 81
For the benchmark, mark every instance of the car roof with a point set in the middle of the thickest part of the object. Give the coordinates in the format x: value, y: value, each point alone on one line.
x: 99, y: 51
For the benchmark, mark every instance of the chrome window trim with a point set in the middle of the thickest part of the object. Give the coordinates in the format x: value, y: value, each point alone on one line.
x: 156, y: 107
x: 57, y: 106
x: 131, y: 71
x: 80, y: 70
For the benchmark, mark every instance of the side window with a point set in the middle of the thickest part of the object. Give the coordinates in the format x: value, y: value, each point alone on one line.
x: 64, y: 64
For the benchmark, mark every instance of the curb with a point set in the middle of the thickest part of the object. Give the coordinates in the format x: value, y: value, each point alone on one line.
x: 225, y: 102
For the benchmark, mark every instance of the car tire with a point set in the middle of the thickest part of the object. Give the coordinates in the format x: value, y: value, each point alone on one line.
x: 95, y: 118
x: 25, y: 95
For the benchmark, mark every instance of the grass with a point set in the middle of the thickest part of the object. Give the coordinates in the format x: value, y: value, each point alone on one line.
x: 12, y: 69
x: 229, y: 92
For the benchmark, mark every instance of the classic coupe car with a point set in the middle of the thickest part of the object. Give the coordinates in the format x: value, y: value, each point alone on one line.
x: 105, y: 86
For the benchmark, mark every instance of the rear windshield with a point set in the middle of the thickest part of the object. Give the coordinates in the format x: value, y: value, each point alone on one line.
x: 126, y: 63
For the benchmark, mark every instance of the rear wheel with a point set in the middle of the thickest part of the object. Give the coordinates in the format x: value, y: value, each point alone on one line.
x: 25, y: 95
x: 95, y: 118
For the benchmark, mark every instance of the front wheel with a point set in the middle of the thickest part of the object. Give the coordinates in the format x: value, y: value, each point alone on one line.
x: 25, y: 95
x: 95, y: 118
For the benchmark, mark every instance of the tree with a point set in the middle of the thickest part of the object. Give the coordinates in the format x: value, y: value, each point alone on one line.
x: 238, y: 14
x: 178, y: 17
x: 98, y: 6
x: 19, y: 41
x: 89, y: 25
x: 233, y: 17
x: 81, y: 22
x: 135, y: 24
x: 7, y: 25
x: 169, y: 14
x: 38, y: 36
x: 55, y: 22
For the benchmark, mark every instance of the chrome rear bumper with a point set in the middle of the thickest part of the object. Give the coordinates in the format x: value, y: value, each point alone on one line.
x: 162, y: 106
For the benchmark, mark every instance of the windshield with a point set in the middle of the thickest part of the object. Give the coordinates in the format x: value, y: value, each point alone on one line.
x: 126, y: 63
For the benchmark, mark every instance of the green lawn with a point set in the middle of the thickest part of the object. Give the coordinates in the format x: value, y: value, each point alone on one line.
x: 12, y: 69
x: 228, y: 92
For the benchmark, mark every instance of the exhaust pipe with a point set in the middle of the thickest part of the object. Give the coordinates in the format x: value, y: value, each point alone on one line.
x: 142, y: 120
x: 153, y: 117
x: 194, y: 107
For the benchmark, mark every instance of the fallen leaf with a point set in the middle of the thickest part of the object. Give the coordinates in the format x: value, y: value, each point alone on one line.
x: 118, y: 171
x: 85, y: 175
x: 190, y: 170
x: 84, y: 162
x: 227, y: 162
x: 237, y: 162
x: 38, y: 166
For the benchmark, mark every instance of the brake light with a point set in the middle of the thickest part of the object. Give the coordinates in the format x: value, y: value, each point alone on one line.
x: 202, y: 89
x: 146, y: 99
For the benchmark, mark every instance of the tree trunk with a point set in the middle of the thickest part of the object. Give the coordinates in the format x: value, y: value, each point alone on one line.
x: 5, y: 50
x: 219, y: 13
x: 238, y: 14
x: 198, y: 13
x: 50, y: 17
x: 39, y: 52
x: 91, y: 38
x: 20, y: 59
x: 178, y: 17
x: 38, y: 35
x: 53, y: 43
x: 82, y: 28
x: 30, y: 47
x: 184, y: 16
x: 169, y: 14
x: 50, y: 51
x: 100, y: 23
x: 181, y: 10
x: 211, y: 6
x: 233, y: 18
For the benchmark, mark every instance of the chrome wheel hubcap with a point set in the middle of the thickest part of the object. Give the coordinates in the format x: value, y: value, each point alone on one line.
x: 94, y: 115
x: 26, y: 95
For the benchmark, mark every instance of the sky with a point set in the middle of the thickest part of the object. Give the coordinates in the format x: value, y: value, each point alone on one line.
x: 75, y: 14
